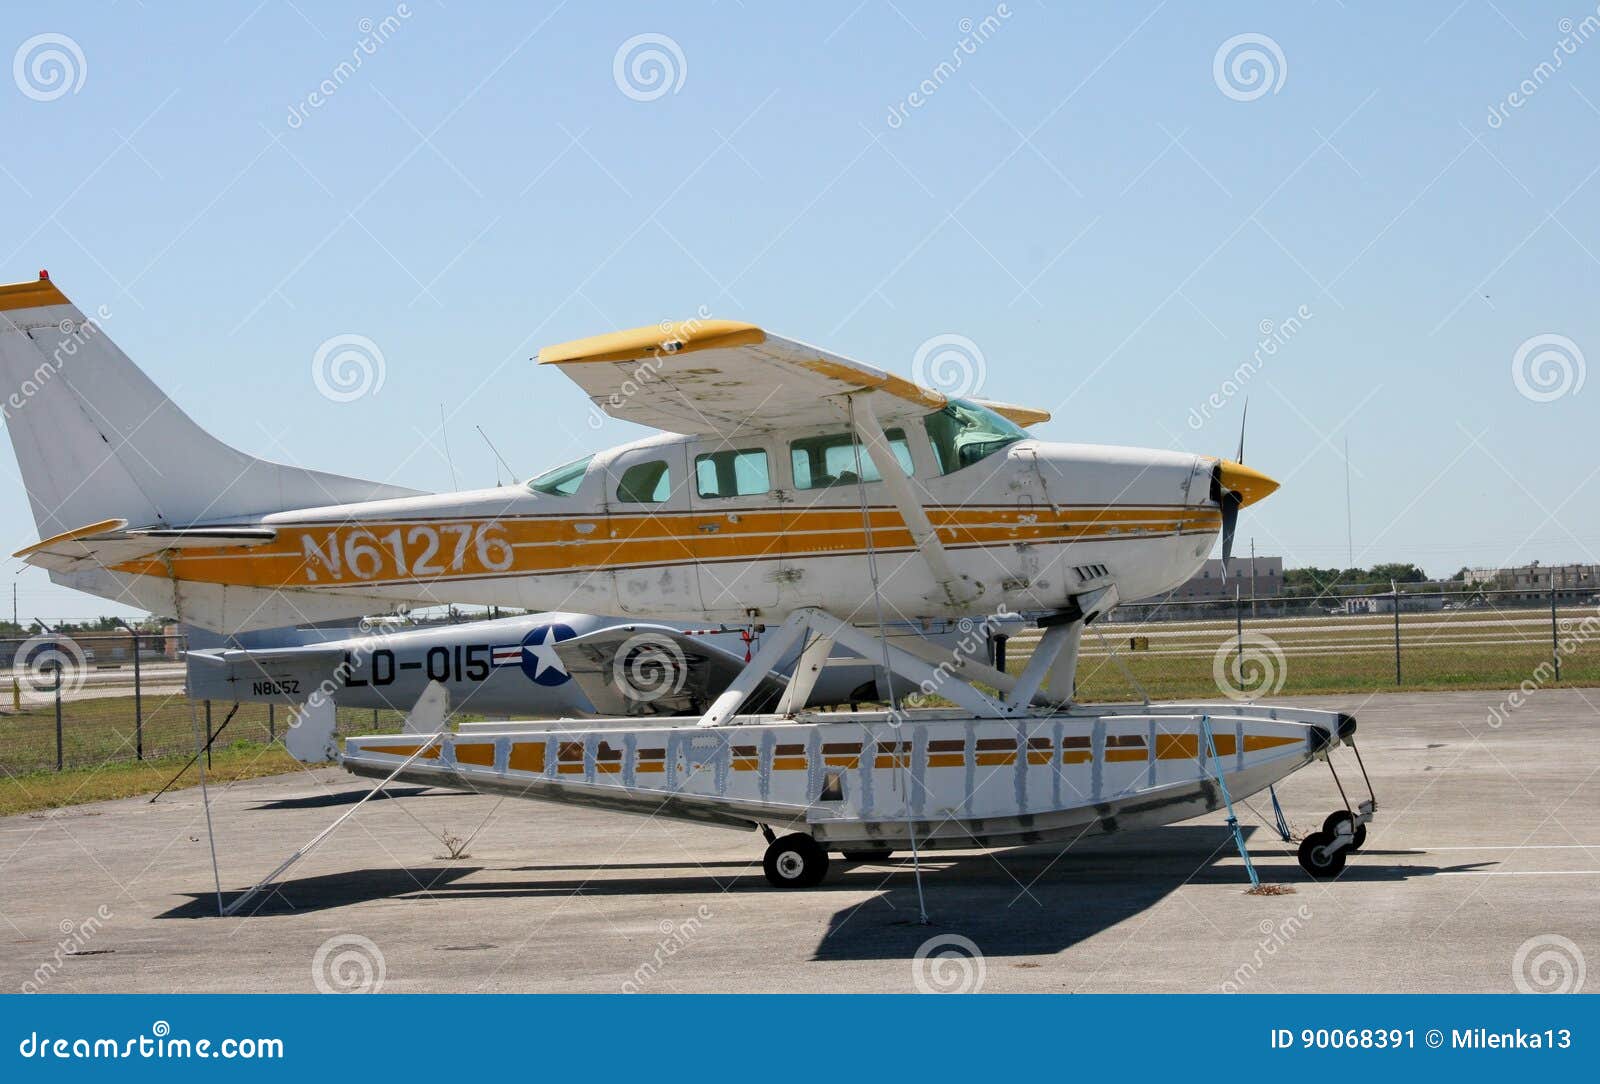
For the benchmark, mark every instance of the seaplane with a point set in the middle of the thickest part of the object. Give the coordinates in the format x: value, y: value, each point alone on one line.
x: 817, y: 495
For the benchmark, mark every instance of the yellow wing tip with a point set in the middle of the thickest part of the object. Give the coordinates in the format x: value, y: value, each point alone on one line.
x: 33, y: 294
x: 667, y: 337
x: 1020, y: 415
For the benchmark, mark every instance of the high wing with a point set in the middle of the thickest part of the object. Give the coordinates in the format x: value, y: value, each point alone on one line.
x: 718, y: 377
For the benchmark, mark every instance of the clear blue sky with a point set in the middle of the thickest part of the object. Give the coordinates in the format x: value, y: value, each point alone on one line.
x: 1080, y: 198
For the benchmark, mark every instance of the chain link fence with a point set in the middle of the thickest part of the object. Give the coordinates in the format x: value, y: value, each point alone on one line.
x: 88, y: 699
x: 1362, y: 639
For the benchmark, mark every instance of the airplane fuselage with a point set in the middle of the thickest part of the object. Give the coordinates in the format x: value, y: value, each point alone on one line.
x: 673, y: 526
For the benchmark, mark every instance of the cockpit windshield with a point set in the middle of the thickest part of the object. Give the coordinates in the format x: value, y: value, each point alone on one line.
x: 963, y: 433
x: 564, y: 480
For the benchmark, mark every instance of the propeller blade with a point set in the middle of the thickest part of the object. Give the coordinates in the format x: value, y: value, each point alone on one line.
x: 1230, y: 520
x: 1242, y: 419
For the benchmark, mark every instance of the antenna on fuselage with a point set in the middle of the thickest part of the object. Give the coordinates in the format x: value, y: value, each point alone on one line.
x: 500, y: 459
x: 445, y: 433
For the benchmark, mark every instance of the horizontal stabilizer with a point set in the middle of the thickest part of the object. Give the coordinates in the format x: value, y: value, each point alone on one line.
x: 655, y: 670
x: 285, y: 675
x: 111, y: 542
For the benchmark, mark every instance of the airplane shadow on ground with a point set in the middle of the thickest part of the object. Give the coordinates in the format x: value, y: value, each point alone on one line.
x: 1019, y: 902
x: 1039, y: 900
x: 350, y: 797
x: 330, y: 890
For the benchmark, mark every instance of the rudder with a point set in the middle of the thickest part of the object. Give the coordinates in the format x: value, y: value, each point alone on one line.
x: 96, y: 439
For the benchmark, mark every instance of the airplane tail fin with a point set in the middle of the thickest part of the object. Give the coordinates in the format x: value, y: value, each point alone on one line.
x: 96, y: 440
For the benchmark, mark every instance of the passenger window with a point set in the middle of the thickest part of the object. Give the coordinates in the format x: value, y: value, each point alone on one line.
x: 734, y: 473
x: 645, y: 483
x: 830, y: 460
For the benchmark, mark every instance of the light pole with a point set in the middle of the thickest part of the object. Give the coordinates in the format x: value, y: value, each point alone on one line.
x: 138, y: 699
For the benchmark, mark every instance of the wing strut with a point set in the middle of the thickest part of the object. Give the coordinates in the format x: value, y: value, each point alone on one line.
x: 957, y: 591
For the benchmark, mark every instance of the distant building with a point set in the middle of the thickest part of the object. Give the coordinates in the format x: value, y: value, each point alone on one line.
x: 1574, y: 581
x: 1384, y: 604
x: 1251, y: 577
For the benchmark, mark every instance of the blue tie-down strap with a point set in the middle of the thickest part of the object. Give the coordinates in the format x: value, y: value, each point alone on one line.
x: 1233, y: 821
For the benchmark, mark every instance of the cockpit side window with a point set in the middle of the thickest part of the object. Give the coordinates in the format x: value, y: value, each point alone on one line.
x: 645, y: 483
x: 563, y: 481
x: 830, y: 460
x: 963, y: 433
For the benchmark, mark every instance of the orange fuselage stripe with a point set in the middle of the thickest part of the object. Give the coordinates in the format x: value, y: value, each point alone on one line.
x: 423, y: 551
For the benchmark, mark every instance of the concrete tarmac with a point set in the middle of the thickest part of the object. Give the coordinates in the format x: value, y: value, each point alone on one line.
x: 1481, y: 873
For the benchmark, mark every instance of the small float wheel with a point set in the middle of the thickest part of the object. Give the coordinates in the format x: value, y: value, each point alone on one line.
x: 1318, y: 858
x: 1338, y: 817
x: 795, y: 861
x: 880, y: 854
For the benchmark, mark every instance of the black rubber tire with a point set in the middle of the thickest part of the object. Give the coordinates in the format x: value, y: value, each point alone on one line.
x: 795, y: 861
x: 882, y: 854
x: 1323, y: 866
x: 1330, y: 826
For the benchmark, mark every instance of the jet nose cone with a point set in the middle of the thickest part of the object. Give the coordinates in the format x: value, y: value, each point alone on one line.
x: 1249, y: 483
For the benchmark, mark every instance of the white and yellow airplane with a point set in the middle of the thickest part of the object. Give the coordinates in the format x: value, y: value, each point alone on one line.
x: 790, y: 486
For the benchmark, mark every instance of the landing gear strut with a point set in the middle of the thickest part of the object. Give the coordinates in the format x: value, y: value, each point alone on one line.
x: 795, y: 861
x: 1342, y: 822
x: 1344, y: 831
